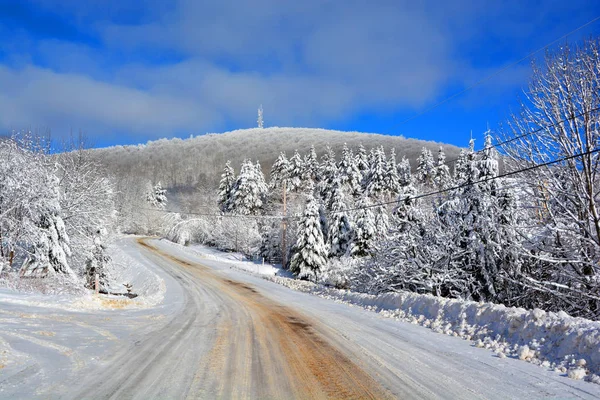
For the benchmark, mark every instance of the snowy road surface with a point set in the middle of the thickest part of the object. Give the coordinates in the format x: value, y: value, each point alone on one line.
x: 222, y: 333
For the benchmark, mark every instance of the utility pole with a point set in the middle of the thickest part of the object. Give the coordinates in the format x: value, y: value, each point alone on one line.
x: 283, y: 227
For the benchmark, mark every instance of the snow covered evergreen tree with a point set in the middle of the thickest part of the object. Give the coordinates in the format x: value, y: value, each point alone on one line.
x: 377, y: 178
x: 280, y: 172
x: 442, y: 179
x: 310, y: 166
x: 349, y: 173
x: 362, y: 160
x: 295, y: 172
x: 328, y: 173
x: 248, y: 191
x: 364, y: 229
x: 51, y: 246
x: 340, y: 229
x: 404, y: 174
x: 460, y: 168
x: 226, y: 187
x: 425, y: 167
x: 392, y: 179
x: 310, y: 251
x: 157, y: 197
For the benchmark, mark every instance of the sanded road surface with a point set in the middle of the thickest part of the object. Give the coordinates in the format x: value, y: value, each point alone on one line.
x: 241, y: 337
x: 230, y: 341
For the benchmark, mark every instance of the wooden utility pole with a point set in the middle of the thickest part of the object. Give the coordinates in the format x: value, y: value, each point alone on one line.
x: 283, y: 228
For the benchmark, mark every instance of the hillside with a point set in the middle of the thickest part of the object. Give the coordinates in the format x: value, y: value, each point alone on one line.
x: 197, y: 161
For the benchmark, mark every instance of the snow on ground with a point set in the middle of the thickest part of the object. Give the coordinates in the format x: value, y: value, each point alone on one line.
x: 46, y: 339
x: 553, y: 341
x: 236, y: 260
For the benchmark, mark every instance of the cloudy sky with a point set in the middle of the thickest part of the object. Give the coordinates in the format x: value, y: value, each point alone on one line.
x: 127, y: 71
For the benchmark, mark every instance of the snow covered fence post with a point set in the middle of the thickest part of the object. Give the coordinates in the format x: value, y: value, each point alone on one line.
x: 97, y: 284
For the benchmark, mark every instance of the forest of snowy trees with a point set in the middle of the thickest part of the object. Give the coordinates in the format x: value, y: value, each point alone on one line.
x: 56, y: 213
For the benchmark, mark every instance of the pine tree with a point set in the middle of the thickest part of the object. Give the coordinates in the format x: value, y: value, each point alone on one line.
x: 392, y: 179
x: 362, y: 160
x: 157, y: 197
x: 340, y: 230
x: 376, y: 182
x: 51, y: 246
x: 479, y: 223
x: 226, y: 187
x: 310, y: 251
x: 247, y: 198
x: 328, y: 172
x: 364, y: 229
x: 404, y: 174
x: 350, y: 174
x: 310, y: 166
x: 425, y: 167
x: 295, y: 172
x: 263, y: 188
x: 460, y: 168
x: 280, y: 172
x: 443, y: 179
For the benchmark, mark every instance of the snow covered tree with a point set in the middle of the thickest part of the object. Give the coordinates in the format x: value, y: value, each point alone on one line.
x: 442, y: 179
x: 51, y: 246
x: 97, y: 263
x: 295, y: 172
x: 364, y: 229
x: 248, y: 191
x: 263, y: 188
x: 310, y: 251
x: 226, y: 187
x: 460, y: 168
x: 157, y: 197
x: 340, y: 229
x: 376, y: 180
x: 404, y: 175
x: 310, y: 166
x: 391, y: 175
x: 260, y: 118
x: 362, y: 160
x: 280, y: 172
x: 425, y: 167
x: 349, y: 174
x: 328, y: 173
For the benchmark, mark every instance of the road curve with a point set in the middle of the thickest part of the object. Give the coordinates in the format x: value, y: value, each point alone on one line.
x: 239, y: 336
x: 230, y: 342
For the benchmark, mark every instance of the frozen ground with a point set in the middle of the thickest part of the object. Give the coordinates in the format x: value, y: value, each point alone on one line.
x: 219, y: 332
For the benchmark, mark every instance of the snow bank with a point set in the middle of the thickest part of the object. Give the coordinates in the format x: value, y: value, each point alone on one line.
x: 552, y: 340
x: 124, y: 268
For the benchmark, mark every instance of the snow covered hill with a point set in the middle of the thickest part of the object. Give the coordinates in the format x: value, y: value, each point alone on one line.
x: 199, y: 160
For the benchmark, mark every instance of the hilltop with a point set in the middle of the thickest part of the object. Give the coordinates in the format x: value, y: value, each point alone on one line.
x: 187, y: 163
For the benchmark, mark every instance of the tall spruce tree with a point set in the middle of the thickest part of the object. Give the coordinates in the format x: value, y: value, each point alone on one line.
x: 310, y: 251
x: 226, y: 187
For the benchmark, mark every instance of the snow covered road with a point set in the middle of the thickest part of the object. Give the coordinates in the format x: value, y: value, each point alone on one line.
x: 222, y: 333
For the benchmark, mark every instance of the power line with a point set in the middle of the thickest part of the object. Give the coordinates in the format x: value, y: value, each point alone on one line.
x: 490, y: 76
x: 513, y: 139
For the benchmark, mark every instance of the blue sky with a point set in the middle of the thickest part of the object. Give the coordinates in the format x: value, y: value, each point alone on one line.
x: 128, y: 71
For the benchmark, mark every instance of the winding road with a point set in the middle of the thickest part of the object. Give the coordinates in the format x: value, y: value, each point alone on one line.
x: 226, y: 334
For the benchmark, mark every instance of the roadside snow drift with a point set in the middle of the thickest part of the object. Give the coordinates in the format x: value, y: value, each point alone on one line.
x: 552, y: 340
